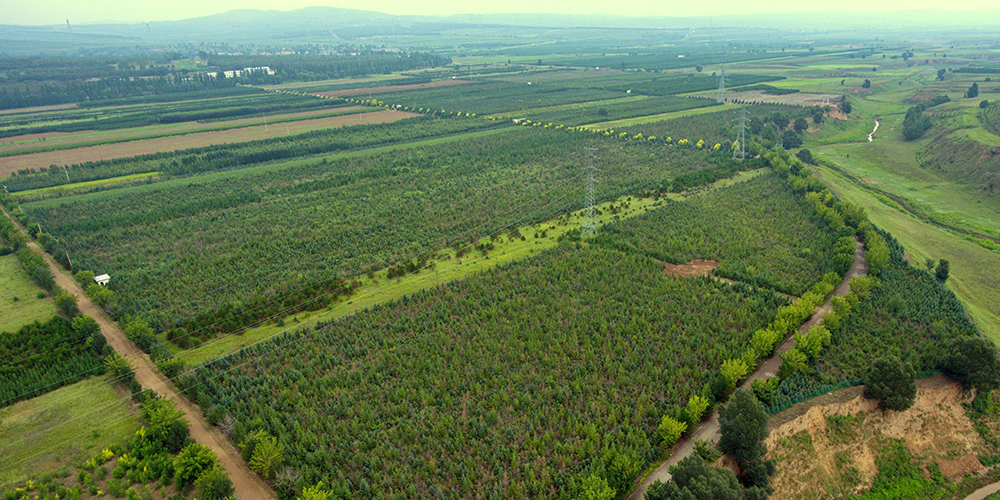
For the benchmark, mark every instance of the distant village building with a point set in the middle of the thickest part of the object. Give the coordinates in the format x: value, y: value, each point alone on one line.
x: 102, y: 279
x: 236, y: 73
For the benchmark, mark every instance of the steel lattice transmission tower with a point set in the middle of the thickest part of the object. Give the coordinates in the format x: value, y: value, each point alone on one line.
x: 589, y: 226
x: 741, y: 150
x: 721, y: 97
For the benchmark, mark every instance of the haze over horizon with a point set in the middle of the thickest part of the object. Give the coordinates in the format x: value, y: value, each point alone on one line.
x: 51, y: 12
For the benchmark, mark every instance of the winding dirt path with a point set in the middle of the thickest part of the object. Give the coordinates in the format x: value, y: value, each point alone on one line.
x: 246, y: 482
x: 709, y: 430
x: 871, y: 136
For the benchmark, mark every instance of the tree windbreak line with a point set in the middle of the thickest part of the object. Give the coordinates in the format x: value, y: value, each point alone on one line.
x: 910, y: 313
x: 527, y: 380
x: 36, y: 81
x: 766, y: 121
x: 616, y: 110
x: 513, y: 95
x: 310, y: 67
x: 42, y: 357
x: 665, y: 58
x: 202, y: 242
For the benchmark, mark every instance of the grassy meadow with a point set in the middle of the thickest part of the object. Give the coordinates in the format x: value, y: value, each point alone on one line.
x: 21, y: 300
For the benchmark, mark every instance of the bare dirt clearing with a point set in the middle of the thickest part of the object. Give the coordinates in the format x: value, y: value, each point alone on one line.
x: 389, y: 88
x: 53, y: 138
x: 126, y: 149
x: 37, y: 109
x: 299, y: 85
x: 831, y: 449
x: 697, y: 267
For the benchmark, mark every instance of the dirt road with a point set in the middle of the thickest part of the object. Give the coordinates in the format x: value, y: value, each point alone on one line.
x: 247, y: 483
x: 709, y: 430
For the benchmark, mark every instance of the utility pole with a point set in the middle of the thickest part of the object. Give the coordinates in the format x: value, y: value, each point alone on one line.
x: 741, y: 149
x: 721, y: 97
x: 589, y: 227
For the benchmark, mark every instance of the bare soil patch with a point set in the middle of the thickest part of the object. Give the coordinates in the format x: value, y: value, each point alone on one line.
x: 140, y: 147
x: 697, y: 267
x: 52, y: 138
x: 299, y: 85
x: 390, y: 88
x: 830, y: 450
x: 37, y: 109
x: 796, y: 99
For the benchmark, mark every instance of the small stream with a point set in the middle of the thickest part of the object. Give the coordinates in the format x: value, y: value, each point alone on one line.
x: 871, y: 135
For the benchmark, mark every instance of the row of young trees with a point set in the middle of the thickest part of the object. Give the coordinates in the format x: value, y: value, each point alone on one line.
x: 328, y: 220
x: 42, y: 357
x: 566, y: 400
x: 47, y: 81
x: 554, y: 389
x: 243, y: 154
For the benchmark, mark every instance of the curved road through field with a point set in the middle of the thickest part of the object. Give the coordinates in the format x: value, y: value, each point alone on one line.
x: 246, y: 482
x: 709, y: 430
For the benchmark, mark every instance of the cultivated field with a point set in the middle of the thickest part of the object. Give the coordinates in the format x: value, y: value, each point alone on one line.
x: 60, y: 427
x: 390, y: 88
x: 409, y: 303
x: 86, y: 137
x: 194, y: 140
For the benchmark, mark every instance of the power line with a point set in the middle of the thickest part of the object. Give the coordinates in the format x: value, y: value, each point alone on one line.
x: 740, y: 149
x: 232, y: 367
x: 589, y: 227
x: 721, y: 96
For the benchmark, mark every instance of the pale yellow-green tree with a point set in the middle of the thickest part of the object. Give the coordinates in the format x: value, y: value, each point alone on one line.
x: 315, y: 493
x: 671, y: 430
x: 267, y: 455
x: 696, y: 407
x: 734, y: 370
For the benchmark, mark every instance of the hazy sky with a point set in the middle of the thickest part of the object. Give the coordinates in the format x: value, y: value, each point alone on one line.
x: 91, y: 11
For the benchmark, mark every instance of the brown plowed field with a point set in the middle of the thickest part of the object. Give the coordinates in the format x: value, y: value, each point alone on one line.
x: 299, y: 85
x: 389, y: 88
x: 126, y: 149
x: 52, y: 138
x: 37, y: 109
x: 697, y: 267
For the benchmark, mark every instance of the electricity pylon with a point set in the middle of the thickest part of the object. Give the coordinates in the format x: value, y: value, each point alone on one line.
x: 721, y: 97
x: 741, y: 150
x: 589, y: 227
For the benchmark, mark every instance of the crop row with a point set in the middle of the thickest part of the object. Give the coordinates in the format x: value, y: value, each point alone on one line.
x: 201, y: 244
x: 513, y: 382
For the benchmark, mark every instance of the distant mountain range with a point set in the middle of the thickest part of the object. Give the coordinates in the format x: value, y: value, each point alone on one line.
x: 320, y: 22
